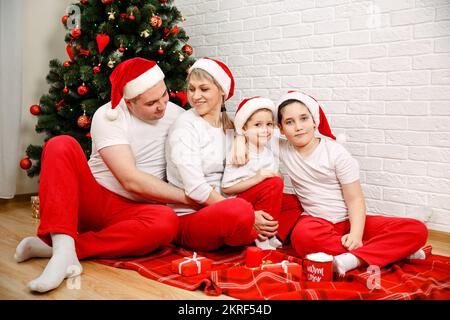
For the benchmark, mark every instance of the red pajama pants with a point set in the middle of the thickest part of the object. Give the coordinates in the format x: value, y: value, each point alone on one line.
x: 103, y: 224
x: 385, y: 239
x: 268, y: 196
x: 230, y: 222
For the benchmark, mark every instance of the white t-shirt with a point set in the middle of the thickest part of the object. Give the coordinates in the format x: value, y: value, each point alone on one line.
x: 264, y: 160
x: 195, y: 154
x: 317, y: 179
x: 146, y: 140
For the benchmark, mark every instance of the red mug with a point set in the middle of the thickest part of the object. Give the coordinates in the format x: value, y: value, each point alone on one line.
x: 318, y: 267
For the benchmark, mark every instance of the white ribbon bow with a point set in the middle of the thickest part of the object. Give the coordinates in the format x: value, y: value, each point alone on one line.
x: 283, y: 264
x: 194, y: 259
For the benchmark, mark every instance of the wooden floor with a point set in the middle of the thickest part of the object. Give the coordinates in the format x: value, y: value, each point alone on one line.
x: 98, y: 281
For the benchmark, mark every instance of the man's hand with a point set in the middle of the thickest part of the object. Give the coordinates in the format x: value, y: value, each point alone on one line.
x: 351, y: 241
x: 264, y: 224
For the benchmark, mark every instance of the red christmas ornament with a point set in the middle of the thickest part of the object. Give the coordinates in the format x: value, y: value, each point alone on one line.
x: 66, y: 90
x: 25, y: 163
x: 182, y: 95
x: 82, y: 90
x: 64, y: 19
x: 187, y: 49
x: 155, y: 22
x: 107, y: 1
x: 131, y: 18
x: 35, y: 110
x: 123, y: 16
x: 83, y: 52
x: 59, y: 104
x: 84, y: 1
x: 84, y: 122
x: 163, y: 1
x: 69, y: 52
x: 121, y: 49
x: 160, y: 51
x: 88, y: 135
x: 102, y: 41
x: 96, y: 69
x: 76, y: 33
x: 66, y: 63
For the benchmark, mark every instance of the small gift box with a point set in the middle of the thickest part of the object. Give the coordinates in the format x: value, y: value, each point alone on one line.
x: 35, y: 206
x: 191, y: 266
x: 284, y: 266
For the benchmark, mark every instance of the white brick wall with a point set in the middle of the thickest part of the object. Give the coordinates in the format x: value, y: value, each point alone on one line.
x: 380, y: 68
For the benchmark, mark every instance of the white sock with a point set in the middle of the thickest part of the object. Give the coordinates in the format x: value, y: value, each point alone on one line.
x: 419, y: 254
x: 274, y: 242
x: 345, y: 262
x: 63, y: 264
x: 32, y: 247
x: 265, y: 245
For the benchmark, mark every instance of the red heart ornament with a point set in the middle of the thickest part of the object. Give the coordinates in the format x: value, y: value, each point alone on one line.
x: 102, y: 42
x: 69, y: 52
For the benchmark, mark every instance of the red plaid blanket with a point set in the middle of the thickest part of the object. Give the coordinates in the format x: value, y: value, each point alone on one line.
x: 405, y: 280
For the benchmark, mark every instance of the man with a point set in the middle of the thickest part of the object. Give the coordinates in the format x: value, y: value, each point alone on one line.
x: 113, y: 205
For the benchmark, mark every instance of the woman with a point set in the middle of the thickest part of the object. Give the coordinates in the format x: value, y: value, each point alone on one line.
x: 195, y: 155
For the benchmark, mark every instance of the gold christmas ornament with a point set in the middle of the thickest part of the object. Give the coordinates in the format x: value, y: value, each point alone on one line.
x: 111, y: 63
x: 111, y: 15
x: 35, y: 207
x: 145, y: 33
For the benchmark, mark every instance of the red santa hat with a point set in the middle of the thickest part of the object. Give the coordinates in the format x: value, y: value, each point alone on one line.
x: 316, y: 111
x: 130, y: 79
x: 219, y: 71
x: 248, y: 107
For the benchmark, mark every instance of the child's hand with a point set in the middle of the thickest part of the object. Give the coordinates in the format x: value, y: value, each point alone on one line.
x: 351, y: 241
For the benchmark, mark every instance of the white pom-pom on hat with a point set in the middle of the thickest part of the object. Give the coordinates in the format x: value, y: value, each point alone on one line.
x: 112, y: 114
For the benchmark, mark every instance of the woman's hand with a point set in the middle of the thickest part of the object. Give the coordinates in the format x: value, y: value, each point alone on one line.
x: 264, y: 174
x: 351, y: 241
x: 239, y: 152
x: 265, y: 225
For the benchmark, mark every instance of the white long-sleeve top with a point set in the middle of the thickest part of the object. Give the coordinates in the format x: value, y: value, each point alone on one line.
x: 195, y: 154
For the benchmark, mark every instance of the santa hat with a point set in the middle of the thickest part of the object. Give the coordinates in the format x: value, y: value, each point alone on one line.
x: 130, y: 79
x: 219, y: 71
x: 316, y: 111
x: 248, y: 107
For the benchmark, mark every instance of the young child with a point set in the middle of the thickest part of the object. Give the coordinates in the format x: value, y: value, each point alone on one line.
x: 326, y: 180
x: 255, y: 119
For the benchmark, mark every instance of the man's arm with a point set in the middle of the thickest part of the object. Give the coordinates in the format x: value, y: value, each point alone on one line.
x: 120, y: 160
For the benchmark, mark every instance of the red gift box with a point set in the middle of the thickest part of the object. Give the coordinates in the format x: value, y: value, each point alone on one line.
x: 284, y: 266
x: 191, y: 266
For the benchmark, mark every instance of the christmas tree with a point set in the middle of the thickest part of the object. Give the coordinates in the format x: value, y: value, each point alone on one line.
x: 101, y: 34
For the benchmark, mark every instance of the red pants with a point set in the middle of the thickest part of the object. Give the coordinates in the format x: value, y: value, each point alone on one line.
x: 228, y: 222
x: 103, y: 224
x: 268, y: 196
x: 385, y: 239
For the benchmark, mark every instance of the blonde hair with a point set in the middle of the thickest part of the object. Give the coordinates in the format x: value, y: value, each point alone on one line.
x: 204, y: 75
